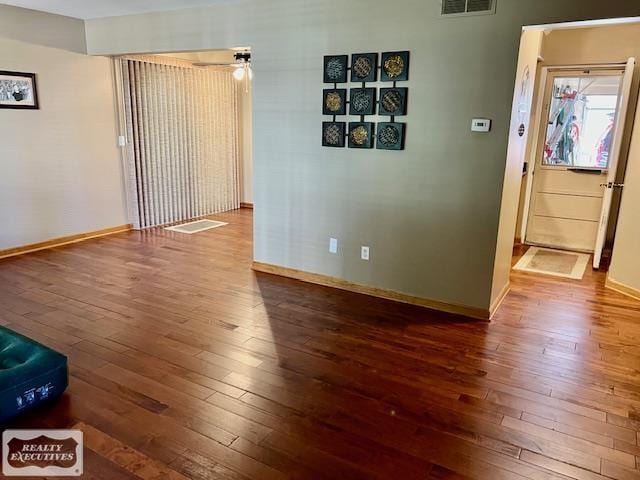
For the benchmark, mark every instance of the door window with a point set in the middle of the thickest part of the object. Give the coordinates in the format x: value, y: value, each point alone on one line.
x: 582, y: 113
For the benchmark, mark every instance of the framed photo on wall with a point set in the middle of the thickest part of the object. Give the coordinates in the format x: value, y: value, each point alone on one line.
x: 18, y: 90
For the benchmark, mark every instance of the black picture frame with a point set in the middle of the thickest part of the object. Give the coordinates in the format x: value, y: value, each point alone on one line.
x: 362, y: 101
x: 334, y: 101
x: 364, y: 67
x: 10, y: 83
x: 395, y: 66
x: 393, y: 101
x: 336, y: 68
x: 333, y: 134
x: 361, y: 135
x: 391, y: 136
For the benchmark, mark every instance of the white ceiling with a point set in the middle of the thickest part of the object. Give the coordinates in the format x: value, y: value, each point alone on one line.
x: 87, y: 9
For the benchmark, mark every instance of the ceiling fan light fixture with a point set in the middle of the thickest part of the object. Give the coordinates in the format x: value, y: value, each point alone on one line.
x: 239, y: 73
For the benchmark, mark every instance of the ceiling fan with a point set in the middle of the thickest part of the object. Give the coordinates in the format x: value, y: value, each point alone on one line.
x: 242, y: 67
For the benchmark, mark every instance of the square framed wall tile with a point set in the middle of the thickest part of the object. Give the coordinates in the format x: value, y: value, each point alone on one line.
x: 364, y: 67
x: 391, y: 136
x: 361, y: 135
x: 395, y: 66
x: 335, y: 68
x: 362, y: 101
x: 334, y: 101
x: 393, y: 101
x: 333, y: 134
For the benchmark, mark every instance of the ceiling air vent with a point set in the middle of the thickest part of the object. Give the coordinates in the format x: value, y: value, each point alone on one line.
x: 468, y: 7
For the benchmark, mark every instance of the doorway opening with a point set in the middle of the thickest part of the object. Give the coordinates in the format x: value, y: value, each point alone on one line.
x: 581, y: 128
x: 572, y: 122
x: 185, y: 123
x: 577, y: 122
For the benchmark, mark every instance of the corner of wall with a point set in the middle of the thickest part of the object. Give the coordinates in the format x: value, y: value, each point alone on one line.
x: 530, y: 47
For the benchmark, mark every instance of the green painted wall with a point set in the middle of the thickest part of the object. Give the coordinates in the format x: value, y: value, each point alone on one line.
x: 430, y: 214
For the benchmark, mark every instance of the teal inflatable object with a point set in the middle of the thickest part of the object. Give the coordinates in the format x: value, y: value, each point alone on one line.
x: 30, y: 374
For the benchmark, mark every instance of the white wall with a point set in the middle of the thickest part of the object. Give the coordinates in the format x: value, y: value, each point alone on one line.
x: 44, y: 29
x: 61, y: 170
x: 430, y: 214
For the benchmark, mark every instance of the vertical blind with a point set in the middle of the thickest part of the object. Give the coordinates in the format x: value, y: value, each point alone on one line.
x: 182, y: 139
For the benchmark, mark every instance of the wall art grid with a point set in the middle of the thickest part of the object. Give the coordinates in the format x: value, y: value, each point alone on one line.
x: 362, y: 100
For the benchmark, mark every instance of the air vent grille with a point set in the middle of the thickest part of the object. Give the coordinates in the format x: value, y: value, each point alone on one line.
x: 450, y: 7
x: 478, y: 5
x: 468, y: 7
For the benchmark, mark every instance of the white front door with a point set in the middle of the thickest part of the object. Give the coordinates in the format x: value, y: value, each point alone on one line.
x: 582, y: 114
x: 614, y: 159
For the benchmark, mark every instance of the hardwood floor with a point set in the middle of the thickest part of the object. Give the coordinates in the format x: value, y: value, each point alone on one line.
x: 186, y: 364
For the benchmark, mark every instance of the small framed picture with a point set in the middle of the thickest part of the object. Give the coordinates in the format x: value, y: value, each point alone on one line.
x: 333, y: 134
x: 364, y: 67
x: 390, y: 136
x: 361, y: 135
x: 393, y: 101
x: 395, y: 67
x: 335, y: 68
x: 363, y: 101
x: 18, y: 90
x: 334, y: 101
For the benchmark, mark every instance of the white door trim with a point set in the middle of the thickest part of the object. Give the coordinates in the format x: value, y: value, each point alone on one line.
x: 533, y: 155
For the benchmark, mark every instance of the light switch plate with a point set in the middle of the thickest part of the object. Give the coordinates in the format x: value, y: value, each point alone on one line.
x: 482, y: 125
x: 333, y: 245
x: 364, y: 253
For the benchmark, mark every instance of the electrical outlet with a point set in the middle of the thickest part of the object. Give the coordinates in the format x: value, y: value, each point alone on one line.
x: 482, y: 125
x: 364, y: 253
x: 333, y: 245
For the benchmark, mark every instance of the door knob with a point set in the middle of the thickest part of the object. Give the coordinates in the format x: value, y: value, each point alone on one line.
x: 612, y: 185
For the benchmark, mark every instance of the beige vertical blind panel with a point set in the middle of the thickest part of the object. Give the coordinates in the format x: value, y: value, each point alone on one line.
x: 182, y: 132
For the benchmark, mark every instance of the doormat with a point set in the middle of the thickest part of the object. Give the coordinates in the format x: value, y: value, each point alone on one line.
x: 554, y: 262
x: 196, y: 227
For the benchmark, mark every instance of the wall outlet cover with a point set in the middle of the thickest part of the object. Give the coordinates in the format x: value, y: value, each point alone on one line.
x: 482, y: 125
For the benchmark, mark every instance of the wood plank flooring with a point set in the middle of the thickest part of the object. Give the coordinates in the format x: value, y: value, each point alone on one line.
x: 186, y: 364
